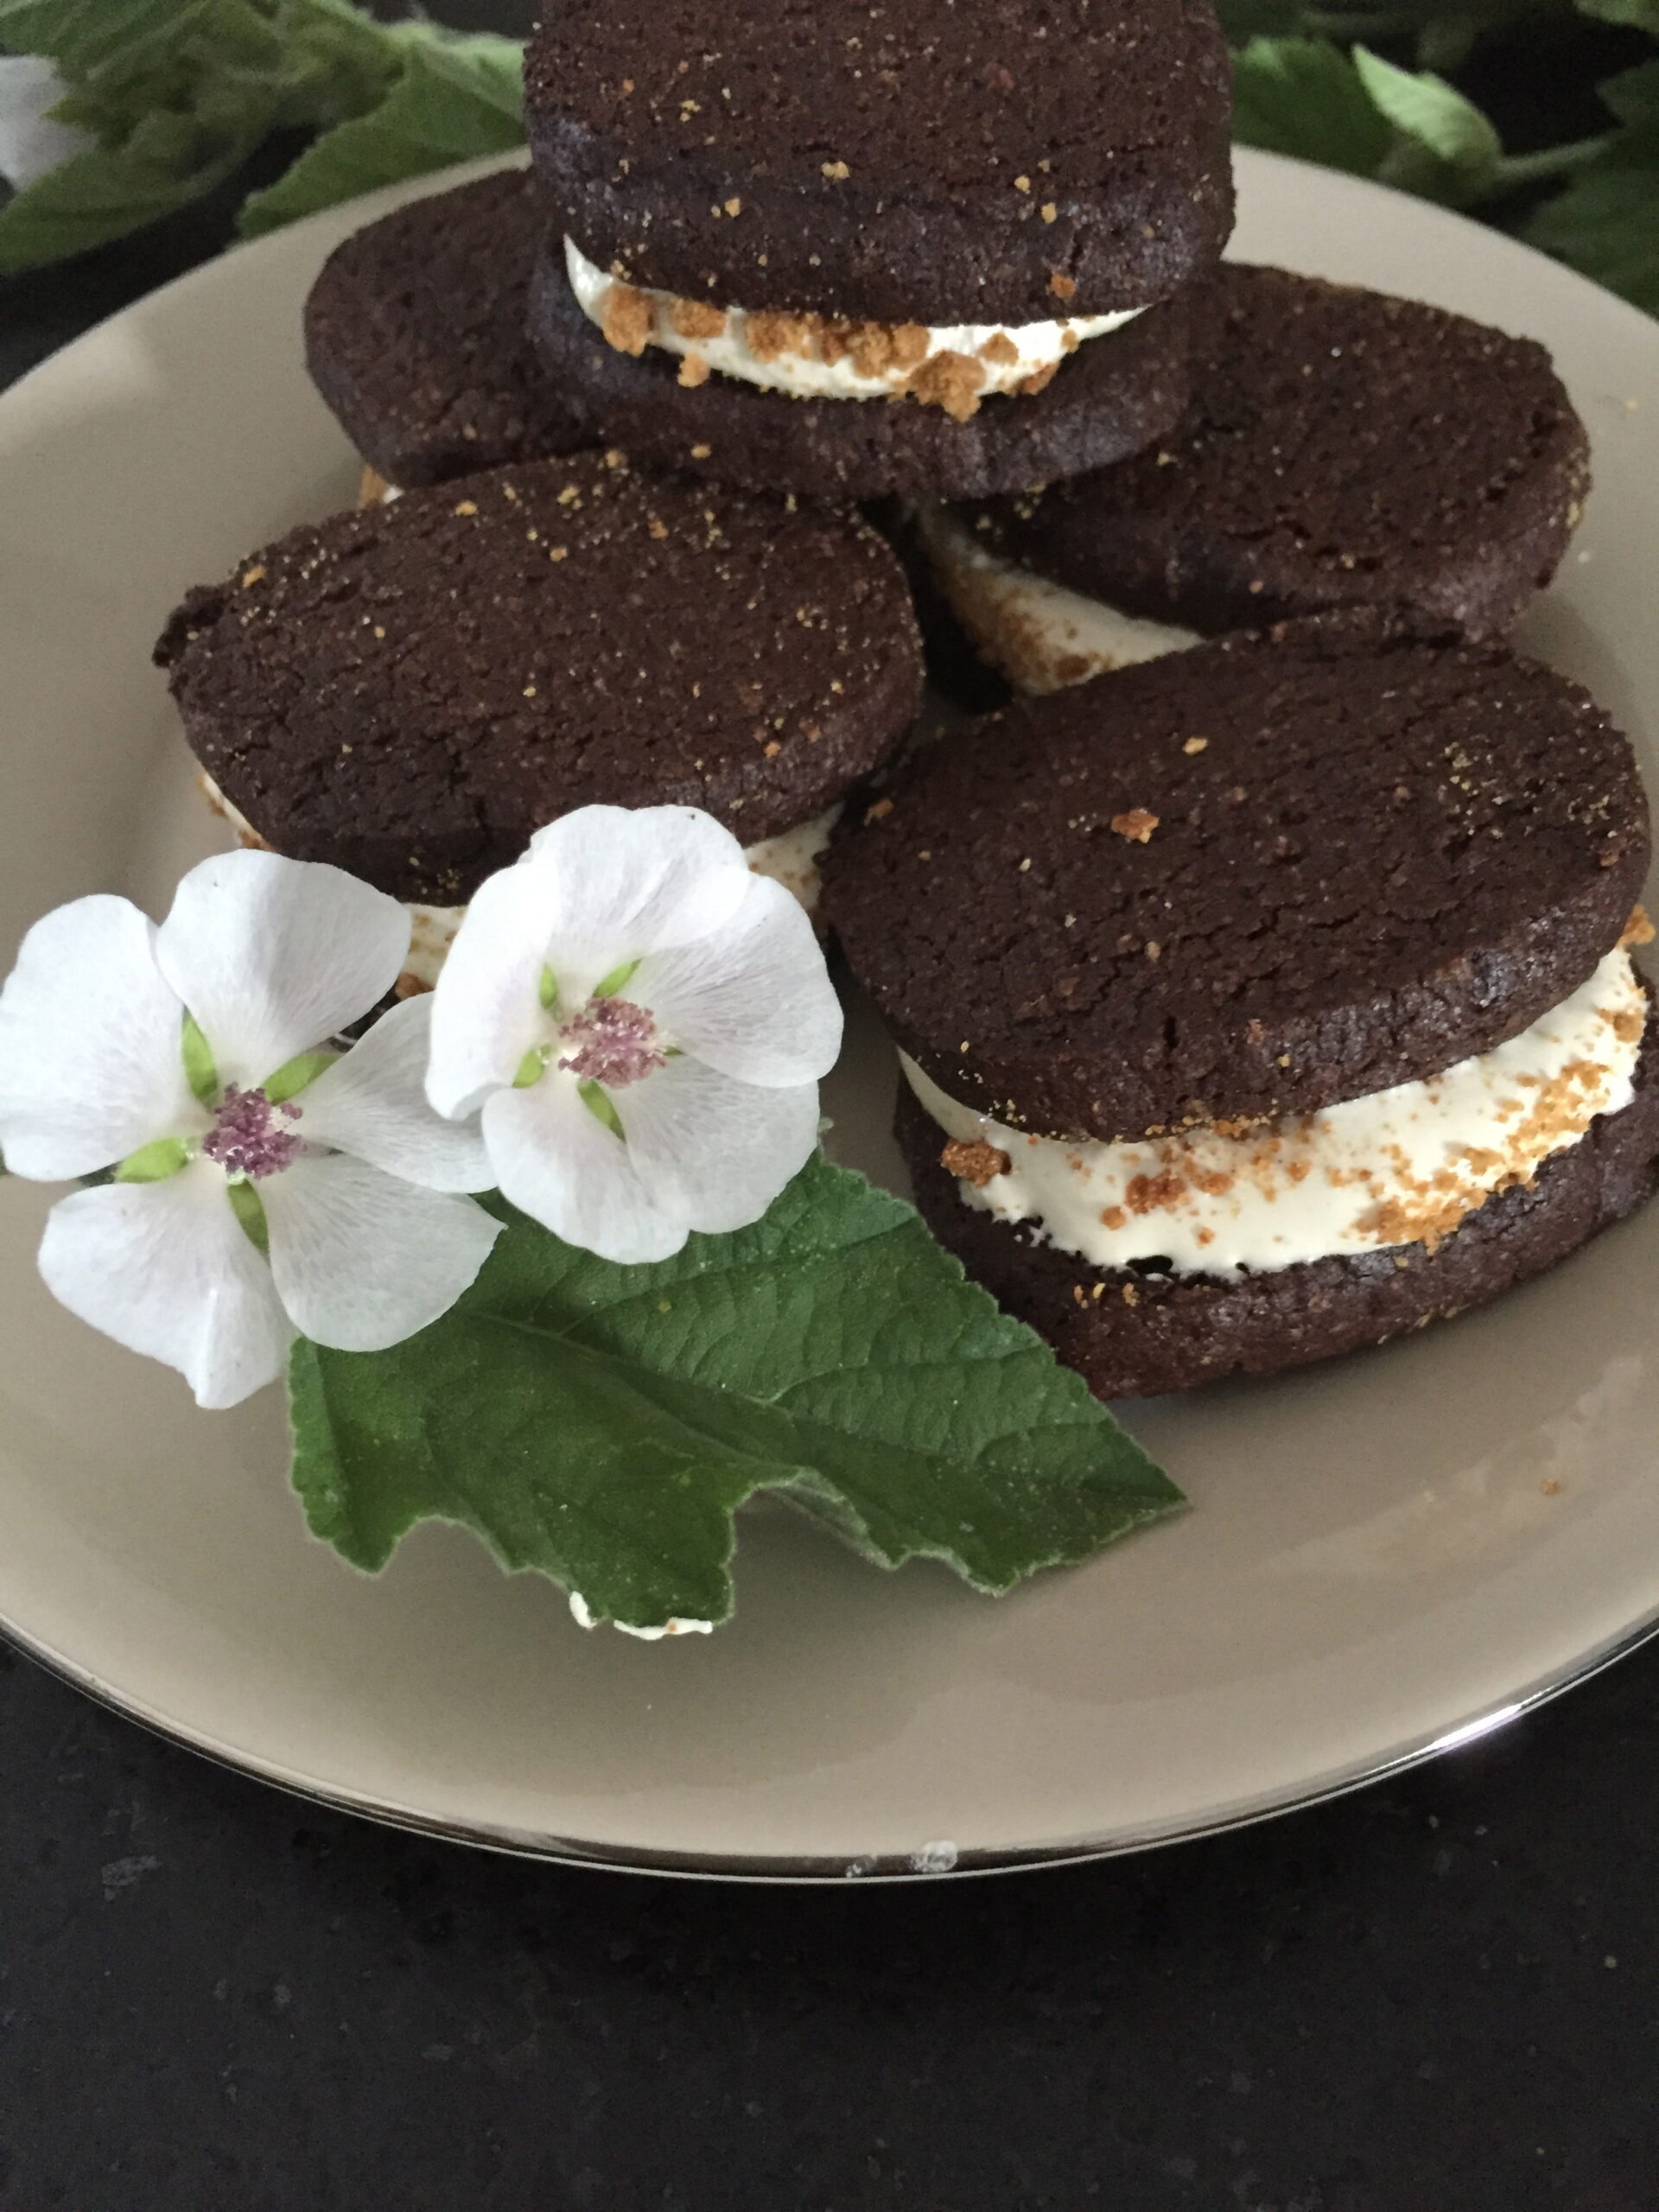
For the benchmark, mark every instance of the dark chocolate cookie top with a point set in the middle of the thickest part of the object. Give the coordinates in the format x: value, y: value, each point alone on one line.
x: 411, y: 691
x: 1002, y: 161
x: 1341, y: 448
x: 1261, y: 877
x: 415, y: 335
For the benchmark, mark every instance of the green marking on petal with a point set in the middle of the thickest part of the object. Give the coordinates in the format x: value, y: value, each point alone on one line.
x: 613, y: 982
x: 198, y: 1070
x: 600, y: 1105
x: 549, y: 989
x: 294, y: 1075
x: 250, y: 1209
x: 532, y: 1067
x: 153, y: 1163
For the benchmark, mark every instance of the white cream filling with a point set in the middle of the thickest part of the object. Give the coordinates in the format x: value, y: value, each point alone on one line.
x: 1042, y: 636
x: 1400, y: 1166
x: 747, y: 344
x: 790, y: 858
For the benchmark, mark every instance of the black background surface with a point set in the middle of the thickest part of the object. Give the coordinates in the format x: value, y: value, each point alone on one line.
x: 1440, y: 1996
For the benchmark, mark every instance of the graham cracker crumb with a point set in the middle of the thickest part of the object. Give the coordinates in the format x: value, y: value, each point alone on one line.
x: 880, y: 811
x: 1049, y: 212
x: 628, y: 320
x: 1637, y: 930
x: 466, y: 507
x: 657, y: 527
x: 1196, y: 745
x: 696, y: 318
x: 1000, y: 349
x: 700, y: 453
x: 949, y: 380
x: 1062, y: 287
x: 733, y: 206
x: 1137, y: 825
x: 977, y: 1164
x: 694, y: 371
x: 1022, y: 184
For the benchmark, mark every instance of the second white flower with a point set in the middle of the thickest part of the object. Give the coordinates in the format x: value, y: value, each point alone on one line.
x: 644, y: 1024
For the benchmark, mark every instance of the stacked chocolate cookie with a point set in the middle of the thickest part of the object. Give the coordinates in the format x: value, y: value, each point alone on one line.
x: 1263, y: 990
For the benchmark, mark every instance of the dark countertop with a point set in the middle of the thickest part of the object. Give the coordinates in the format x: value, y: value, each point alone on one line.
x: 1440, y: 1996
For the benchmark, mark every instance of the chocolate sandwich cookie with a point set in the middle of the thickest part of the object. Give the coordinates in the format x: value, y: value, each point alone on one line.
x: 415, y: 335
x: 1261, y: 1001
x: 771, y: 218
x: 410, y: 690
x: 1341, y: 448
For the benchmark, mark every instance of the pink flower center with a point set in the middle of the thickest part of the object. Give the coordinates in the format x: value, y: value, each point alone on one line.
x: 247, y: 1138
x: 611, y: 1041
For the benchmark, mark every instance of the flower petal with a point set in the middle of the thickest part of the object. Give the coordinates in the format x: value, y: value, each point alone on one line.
x: 622, y: 882
x: 754, y: 998
x: 361, y: 1258
x: 486, y: 1011
x: 92, y: 1060
x: 166, y: 1271
x: 373, y: 1104
x: 273, y: 957
x: 556, y: 1162
x: 715, y: 1151
x: 31, y: 144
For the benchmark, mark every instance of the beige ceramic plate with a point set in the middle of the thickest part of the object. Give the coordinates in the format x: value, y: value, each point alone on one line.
x: 1387, y: 1554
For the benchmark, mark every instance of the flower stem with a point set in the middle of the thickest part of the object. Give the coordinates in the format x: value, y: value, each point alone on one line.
x: 1550, y: 161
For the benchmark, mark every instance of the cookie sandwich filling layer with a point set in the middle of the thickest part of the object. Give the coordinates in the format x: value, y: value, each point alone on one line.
x: 1400, y: 1166
x: 953, y: 366
x: 790, y: 858
x: 1042, y: 636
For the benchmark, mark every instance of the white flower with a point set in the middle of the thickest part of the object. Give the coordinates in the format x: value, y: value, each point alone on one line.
x: 174, y: 1056
x: 643, y: 1023
x: 31, y: 143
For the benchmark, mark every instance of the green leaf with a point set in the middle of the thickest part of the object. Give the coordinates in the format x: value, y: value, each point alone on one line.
x: 1463, y: 149
x: 602, y: 1424
x: 1303, y: 96
x: 1633, y: 95
x: 82, y: 38
x: 1641, y: 14
x: 1606, y: 221
x: 102, y: 195
x: 453, y: 101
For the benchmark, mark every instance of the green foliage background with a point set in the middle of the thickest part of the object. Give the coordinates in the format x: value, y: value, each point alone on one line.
x: 1542, y: 116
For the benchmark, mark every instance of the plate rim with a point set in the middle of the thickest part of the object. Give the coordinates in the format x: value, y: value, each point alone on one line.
x: 811, y: 1872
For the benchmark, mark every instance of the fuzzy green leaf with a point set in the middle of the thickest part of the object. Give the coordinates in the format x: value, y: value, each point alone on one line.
x: 1434, y: 120
x: 452, y: 102
x: 1303, y: 96
x: 1640, y: 15
x: 1606, y: 222
x: 602, y: 1424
